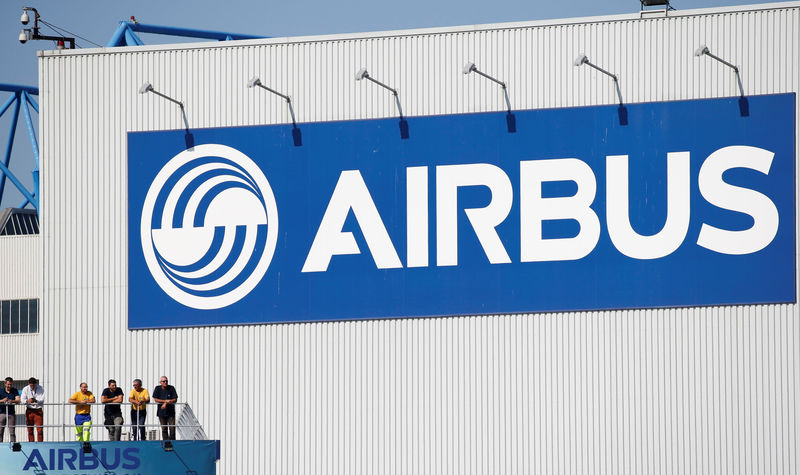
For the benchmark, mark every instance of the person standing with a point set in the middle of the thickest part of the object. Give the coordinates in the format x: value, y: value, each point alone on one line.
x: 166, y: 396
x: 112, y: 398
x: 33, y: 396
x: 8, y: 397
x: 83, y: 413
x: 139, y: 397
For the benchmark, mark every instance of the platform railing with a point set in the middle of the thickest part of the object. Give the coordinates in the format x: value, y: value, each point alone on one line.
x: 58, y: 418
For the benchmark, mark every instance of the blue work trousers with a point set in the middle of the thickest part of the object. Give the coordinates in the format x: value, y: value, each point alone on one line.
x: 137, y: 422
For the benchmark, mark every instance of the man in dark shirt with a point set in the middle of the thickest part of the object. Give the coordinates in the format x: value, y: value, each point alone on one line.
x: 166, y: 396
x: 111, y: 397
x: 8, y: 396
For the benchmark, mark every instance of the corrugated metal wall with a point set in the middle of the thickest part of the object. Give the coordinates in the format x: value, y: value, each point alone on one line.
x: 710, y: 390
x: 20, y: 264
x: 20, y: 278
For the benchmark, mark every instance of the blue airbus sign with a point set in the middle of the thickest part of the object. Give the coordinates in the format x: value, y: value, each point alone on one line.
x: 133, y: 458
x: 683, y: 203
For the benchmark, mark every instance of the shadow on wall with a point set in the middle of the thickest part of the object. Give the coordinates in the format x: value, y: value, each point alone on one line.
x: 297, y: 136
x: 403, y: 128
x: 511, y: 122
x: 622, y: 113
x: 744, y: 107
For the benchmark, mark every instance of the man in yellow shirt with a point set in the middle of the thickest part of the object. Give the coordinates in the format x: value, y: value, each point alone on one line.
x: 139, y: 397
x: 83, y: 416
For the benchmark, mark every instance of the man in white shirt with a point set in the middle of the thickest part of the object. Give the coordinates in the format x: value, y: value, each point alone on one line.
x: 33, y: 395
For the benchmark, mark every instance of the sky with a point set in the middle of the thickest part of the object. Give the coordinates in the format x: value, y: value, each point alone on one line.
x: 96, y: 20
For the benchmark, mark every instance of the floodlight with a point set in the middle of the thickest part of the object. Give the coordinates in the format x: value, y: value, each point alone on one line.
x: 470, y: 67
x: 655, y: 3
x: 147, y: 87
x: 704, y: 51
x: 24, y: 18
x: 583, y: 59
x: 362, y: 74
x: 255, y: 81
x: 23, y: 36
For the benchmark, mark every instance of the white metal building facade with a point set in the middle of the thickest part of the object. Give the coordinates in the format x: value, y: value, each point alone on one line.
x: 20, y: 278
x: 705, y: 390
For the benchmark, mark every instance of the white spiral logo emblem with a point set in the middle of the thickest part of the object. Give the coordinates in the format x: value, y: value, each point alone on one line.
x: 209, y: 226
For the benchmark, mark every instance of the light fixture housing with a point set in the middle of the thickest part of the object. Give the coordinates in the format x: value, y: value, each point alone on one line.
x: 146, y: 87
x: 581, y: 60
x: 362, y: 74
x: 703, y: 49
x: 254, y: 81
x: 469, y: 67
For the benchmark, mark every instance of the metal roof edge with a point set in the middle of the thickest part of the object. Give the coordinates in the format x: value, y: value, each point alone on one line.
x: 420, y: 31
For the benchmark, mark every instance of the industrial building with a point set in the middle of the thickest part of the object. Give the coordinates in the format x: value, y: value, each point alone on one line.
x: 380, y: 329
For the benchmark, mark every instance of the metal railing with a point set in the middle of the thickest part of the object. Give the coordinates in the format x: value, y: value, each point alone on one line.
x: 186, y: 426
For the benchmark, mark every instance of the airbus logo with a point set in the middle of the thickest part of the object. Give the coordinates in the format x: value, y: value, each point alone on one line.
x: 209, y: 226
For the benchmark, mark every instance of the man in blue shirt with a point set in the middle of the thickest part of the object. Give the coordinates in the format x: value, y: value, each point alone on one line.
x: 166, y: 396
x: 8, y: 397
